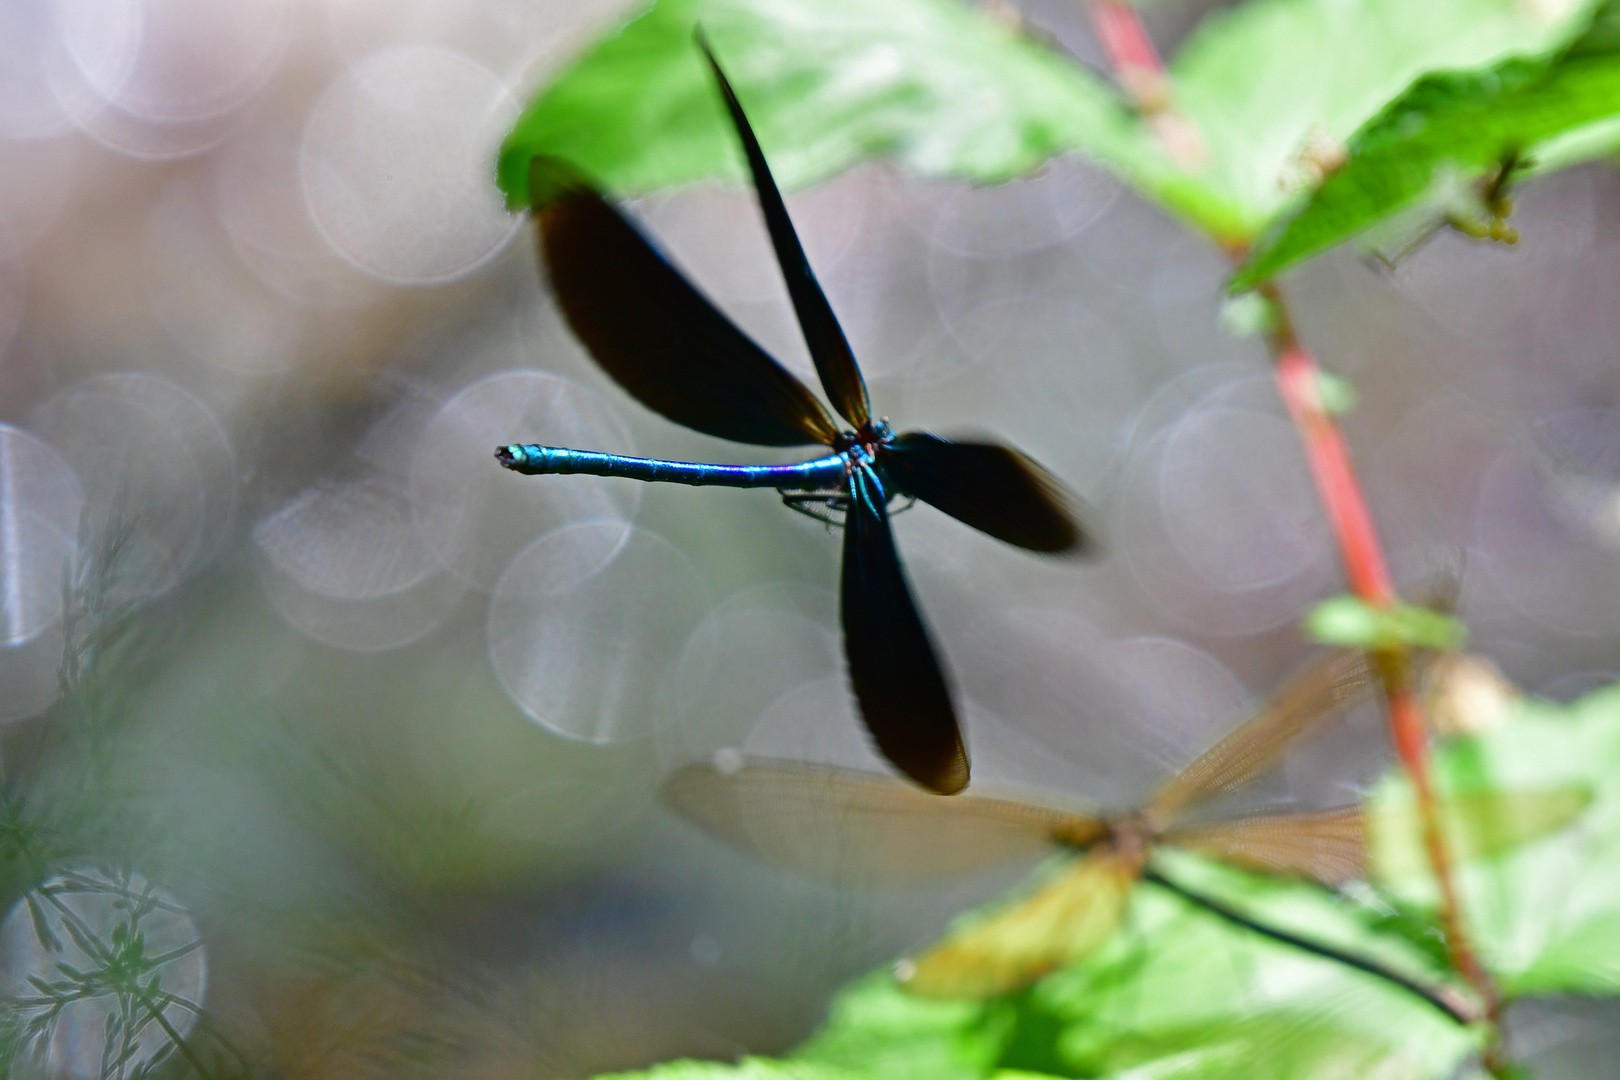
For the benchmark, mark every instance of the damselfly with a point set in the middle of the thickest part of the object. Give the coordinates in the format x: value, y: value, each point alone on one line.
x: 858, y: 825
x: 676, y: 353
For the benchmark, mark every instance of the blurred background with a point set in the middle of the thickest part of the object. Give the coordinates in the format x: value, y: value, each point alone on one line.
x: 387, y: 723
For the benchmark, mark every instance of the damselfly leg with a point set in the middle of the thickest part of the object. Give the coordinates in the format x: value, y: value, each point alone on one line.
x: 829, y: 505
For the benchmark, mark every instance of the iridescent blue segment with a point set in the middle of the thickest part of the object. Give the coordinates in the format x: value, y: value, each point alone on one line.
x: 532, y: 460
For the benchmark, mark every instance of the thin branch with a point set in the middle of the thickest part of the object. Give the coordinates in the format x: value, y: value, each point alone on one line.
x: 1441, y: 997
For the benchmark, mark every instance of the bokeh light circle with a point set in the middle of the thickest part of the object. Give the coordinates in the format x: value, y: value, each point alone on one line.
x: 161, y: 79
x: 1220, y: 523
x: 346, y: 565
x: 475, y: 515
x: 40, y: 503
x: 173, y: 61
x: 1055, y: 204
x: 718, y: 236
x: 529, y: 36
x: 1236, y: 501
x: 153, y: 458
x: 1547, y: 524
x: 815, y: 721
x: 259, y: 201
x: 352, y: 540
x: 585, y: 625
x: 1121, y: 713
x: 747, y: 652
x: 396, y: 164
x: 28, y: 109
x: 101, y: 41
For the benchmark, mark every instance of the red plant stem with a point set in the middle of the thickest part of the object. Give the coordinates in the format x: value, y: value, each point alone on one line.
x: 1296, y: 374
x: 1298, y: 379
x: 1123, y: 37
x: 1139, y: 70
x: 1140, y: 73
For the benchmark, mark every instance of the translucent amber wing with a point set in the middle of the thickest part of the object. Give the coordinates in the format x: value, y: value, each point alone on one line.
x: 1328, y: 685
x: 857, y: 826
x: 1327, y: 845
x: 1064, y: 920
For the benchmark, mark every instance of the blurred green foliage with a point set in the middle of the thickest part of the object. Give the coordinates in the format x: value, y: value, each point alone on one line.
x: 1351, y: 622
x: 945, y: 91
x: 1267, y: 79
x: 1546, y: 916
x: 931, y: 84
x: 1440, y: 147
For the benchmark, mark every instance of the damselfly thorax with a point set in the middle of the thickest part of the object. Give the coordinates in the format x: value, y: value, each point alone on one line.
x: 861, y: 450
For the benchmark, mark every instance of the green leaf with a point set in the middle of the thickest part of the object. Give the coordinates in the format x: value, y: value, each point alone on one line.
x: 1187, y: 994
x: 1478, y: 825
x: 1352, y: 622
x: 1269, y: 79
x: 1180, y: 993
x: 1438, y: 148
x: 877, y: 1027
x: 1545, y: 915
x: 944, y: 91
x: 933, y: 85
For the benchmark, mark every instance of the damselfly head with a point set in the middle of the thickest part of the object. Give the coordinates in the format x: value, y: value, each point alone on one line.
x: 872, y: 435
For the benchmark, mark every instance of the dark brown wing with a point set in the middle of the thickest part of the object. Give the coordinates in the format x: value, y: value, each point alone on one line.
x: 995, y: 489
x: 858, y: 826
x: 1329, y: 684
x: 834, y: 360
x: 1329, y: 846
x: 653, y: 332
x: 894, y: 670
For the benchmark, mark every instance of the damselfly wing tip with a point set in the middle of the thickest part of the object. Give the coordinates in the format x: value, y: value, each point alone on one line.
x: 935, y: 772
x: 829, y: 349
x: 954, y: 780
x: 993, y: 488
